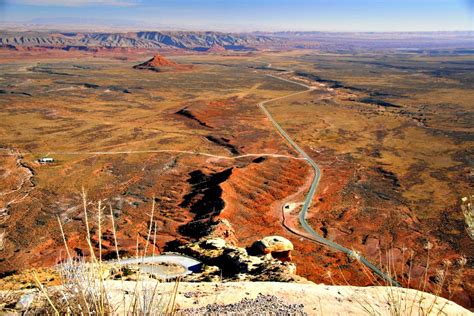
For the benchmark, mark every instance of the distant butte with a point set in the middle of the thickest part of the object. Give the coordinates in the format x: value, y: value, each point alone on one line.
x: 159, y: 63
x: 216, y: 49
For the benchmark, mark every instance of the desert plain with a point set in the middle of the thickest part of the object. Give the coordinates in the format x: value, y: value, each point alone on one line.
x: 391, y: 132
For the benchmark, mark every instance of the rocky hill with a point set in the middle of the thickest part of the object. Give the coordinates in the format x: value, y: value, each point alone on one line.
x: 159, y: 63
x: 199, y: 41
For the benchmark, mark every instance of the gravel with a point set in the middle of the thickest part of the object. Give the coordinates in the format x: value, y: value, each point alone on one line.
x: 261, y: 305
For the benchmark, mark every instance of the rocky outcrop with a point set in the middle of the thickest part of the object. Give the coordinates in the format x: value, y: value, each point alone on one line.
x: 254, y: 298
x: 222, y: 229
x: 278, y: 247
x: 238, y: 264
x: 157, y: 61
x: 159, y: 64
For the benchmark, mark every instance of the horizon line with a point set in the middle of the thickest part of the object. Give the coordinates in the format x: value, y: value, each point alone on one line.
x: 10, y: 26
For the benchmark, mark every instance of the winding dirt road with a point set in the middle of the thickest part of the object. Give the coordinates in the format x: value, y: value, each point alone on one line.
x: 125, y: 152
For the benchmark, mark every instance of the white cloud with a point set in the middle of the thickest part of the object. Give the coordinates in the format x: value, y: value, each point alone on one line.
x: 76, y: 3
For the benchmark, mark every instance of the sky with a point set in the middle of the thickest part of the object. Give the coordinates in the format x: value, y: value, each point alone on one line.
x: 248, y: 15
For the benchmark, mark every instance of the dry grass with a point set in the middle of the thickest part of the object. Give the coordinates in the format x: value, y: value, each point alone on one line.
x: 83, y: 290
x: 401, y: 300
x: 467, y: 207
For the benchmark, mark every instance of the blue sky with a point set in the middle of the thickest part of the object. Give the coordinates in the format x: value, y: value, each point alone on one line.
x: 249, y: 15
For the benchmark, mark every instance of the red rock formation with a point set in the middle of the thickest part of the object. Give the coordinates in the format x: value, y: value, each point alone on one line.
x: 159, y: 63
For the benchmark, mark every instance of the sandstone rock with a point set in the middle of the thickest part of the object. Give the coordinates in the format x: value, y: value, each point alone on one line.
x: 242, y: 298
x: 208, y: 274
x: 276, y: 244
x: 279, y: 247
x: 223, y: 229
x: 235, y: 263
x: 214, y: 243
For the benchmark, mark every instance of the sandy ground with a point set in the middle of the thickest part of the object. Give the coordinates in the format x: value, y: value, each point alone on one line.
x: 316, y: 299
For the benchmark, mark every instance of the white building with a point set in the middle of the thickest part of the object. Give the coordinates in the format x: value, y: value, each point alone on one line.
x: 46, y: 160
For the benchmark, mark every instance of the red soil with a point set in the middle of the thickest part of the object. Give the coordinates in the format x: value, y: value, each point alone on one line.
x: 253, y: 205
x: 255, y: 192
x: 253, y: 195
x: 240, y: 121
x: 348, y: 210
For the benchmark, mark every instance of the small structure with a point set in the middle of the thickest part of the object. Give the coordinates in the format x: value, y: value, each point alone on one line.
x: 46, y: 160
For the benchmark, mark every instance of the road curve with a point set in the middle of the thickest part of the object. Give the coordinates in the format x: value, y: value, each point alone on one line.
x: 314, y: 185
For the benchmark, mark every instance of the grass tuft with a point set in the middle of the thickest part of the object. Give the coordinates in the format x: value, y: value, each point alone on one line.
x: 86, y: 288
x: 467, y: 207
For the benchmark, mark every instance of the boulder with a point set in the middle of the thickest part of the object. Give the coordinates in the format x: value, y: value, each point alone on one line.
x: 279, y: 247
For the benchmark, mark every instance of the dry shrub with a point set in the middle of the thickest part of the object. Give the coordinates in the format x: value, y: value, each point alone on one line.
x: 467, y: 207
x: 400, y: 300
x: 86, y: 289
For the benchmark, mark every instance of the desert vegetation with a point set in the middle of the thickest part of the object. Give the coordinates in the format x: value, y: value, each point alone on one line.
x: 83, y: 287
x: 91, y: 285
x: 390, y: 131
x: 467, y: 208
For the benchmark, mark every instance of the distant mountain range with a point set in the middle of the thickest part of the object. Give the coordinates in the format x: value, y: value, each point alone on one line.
x: 146, y: 40
x: 210, y: 41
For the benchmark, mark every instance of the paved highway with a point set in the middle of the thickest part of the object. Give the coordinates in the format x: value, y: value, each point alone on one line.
x: 314, y: 185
